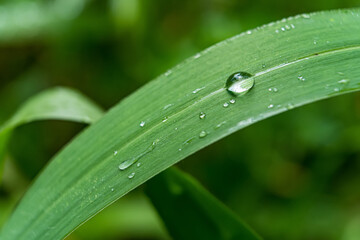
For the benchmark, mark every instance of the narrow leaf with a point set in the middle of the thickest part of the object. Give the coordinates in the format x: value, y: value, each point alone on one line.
x: 53, y: 104
x: 306, y: 58
x: 190, y: 212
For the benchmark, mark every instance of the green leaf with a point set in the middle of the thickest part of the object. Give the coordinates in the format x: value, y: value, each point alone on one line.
x: 54, y: 104
x: 322, y: 48
x: 190, y: 212
x: 27, y: 19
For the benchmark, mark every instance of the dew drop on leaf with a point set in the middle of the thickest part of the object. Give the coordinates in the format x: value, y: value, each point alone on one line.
x: 131, y: 175
x: 202, y: 115
x: 225, y: 105
x: 239, y: 83
x: 202, y: 134
x: 142, y: 124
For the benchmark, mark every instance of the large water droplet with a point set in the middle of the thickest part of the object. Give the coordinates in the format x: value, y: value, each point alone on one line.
x: 125, y: 164
x: 239, y: 83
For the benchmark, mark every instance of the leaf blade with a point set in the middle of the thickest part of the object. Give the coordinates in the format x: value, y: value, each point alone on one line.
x: 190, y: 212
x: 90, y: 167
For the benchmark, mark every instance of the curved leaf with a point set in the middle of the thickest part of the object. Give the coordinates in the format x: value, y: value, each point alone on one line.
x: 54, y: 104
x: 178, y: 198
x: 306, y: 58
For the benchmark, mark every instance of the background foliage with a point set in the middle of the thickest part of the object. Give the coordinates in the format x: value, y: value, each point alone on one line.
x: 294, y: 176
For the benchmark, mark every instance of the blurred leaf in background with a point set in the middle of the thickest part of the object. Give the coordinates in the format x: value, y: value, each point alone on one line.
x: 294, y: 176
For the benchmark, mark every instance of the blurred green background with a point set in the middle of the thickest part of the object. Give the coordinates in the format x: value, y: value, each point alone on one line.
x: 294, y: 176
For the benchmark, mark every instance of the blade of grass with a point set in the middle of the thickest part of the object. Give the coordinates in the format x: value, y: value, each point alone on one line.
x: 54, y: 104
x: 190, y: 212
x: 322, y: 48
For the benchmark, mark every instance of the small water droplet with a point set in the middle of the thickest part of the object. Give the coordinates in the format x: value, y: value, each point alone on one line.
x: 344, y: 81
x: 336, y: 89
x: 273, y: 89
x: 277, y: 31
x: 202, y: 115
x: 220, y: 124
x: 283, y: 29
x: 239, y: 83
x: 180, y: 149
x: 142, y: 124
x: 167, y: 106
x: 340, y: 73
x: 271, y: 106
x: 197, y: 55
x: 225, y: 105
x: 305, y: 15
x: 248, y: 32
x: 138, y: 164
x: 264, y: 65
x: 115, y: 153
x: 287, y: 27
x: 188, y: 141
x: 168, y: 73
x: 301, y: 78
x: 292, y: 26
x: 176, y: 129
x: 315, y: 42
x: 165, y: 119
x: 232, y: 101
x: 289, y: 106
x: 197, y: 90
x: 127, y: 163
x: 112, y: 189
x: 202, y: 134
x: 131, y: 175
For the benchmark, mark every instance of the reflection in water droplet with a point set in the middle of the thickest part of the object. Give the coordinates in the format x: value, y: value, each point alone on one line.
x: 232, y: 101
x: 202, y: 115
x: 225, y: 105
x: 202, y: 134
x: 142, y: 123
x: 239, y: 83
x: 115, y: 153
x: 131, y: 175
x: 271, y: 106
x: 125, y: 164
x: 273, y: 89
